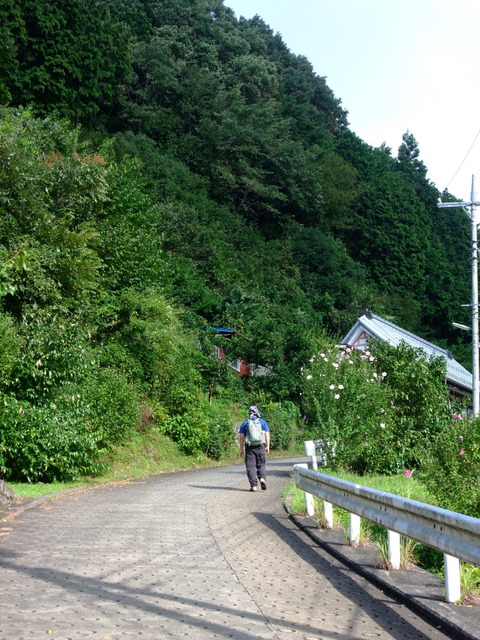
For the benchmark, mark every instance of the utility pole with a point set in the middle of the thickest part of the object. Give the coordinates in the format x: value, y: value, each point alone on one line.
x: 474, y: 226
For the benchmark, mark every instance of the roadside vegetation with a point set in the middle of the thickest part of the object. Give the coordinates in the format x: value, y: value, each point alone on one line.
x: 148, y: 453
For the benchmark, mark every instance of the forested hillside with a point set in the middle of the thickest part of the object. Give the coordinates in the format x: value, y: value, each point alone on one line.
x: 166, y: 168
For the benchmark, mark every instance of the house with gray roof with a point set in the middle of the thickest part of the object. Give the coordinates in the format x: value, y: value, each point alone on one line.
x: 370, y: 326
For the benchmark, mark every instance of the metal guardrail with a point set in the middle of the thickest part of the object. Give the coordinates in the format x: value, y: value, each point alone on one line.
x: 455, y: 534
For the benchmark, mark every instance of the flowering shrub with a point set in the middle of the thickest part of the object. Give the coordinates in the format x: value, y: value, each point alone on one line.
x: 347, y: 404
x: 380, y: 407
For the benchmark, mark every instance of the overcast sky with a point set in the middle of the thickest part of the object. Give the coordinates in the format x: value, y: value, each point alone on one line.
x: 396, y: 65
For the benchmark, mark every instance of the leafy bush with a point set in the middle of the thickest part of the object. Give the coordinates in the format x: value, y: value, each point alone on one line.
x: 199, y: 427
x: 191, y: 433
x: 283, y: 419
x: 221, y: 427
x: 49, y: 443
x: 57, y: 351
x: 149, y: 331
x: 450, y: 465
x: 10, y: 345
x: 114, y: 404
x: 418, y: 393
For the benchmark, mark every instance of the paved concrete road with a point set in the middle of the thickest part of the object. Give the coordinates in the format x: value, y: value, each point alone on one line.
x: 191, y: 554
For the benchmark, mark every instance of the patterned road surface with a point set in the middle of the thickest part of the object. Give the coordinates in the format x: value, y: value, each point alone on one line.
x: 186, y: 555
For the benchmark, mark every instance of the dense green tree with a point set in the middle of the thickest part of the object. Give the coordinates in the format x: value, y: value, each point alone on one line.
x: 69, y: 57
x: 408, y: 157
x: 49, y: 201
x: 337, y: 285
x: 10, y: 21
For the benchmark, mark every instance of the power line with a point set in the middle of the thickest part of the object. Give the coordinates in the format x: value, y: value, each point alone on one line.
x: 461, y: 164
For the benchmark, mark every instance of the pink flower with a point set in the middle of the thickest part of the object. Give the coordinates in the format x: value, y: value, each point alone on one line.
x: 461, y: 437
x: 457, y: 416
x: 460, y: 453
x: 408, y: 472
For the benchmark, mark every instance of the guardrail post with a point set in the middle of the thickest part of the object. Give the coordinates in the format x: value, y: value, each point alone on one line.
x: 394, y: 556
x: 310, y: 450
x: 328, y: 514
x: 354, y: 528
x: 452, y: 578
x: 309, y: 503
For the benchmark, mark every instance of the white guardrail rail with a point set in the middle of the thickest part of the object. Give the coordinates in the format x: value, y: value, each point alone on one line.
x: 455, y: 534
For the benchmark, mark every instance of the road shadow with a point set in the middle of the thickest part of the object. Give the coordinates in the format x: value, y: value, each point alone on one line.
x: 337, y: 574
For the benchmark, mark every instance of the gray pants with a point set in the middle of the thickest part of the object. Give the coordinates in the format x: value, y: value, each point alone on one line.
x: 255, y: 463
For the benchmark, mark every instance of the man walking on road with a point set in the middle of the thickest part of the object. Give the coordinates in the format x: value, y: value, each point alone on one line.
x: 254, y: 444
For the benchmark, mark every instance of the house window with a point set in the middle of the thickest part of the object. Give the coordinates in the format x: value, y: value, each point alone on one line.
x: 236, y: 364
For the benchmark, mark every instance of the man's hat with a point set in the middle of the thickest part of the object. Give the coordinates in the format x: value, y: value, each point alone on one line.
x: 254, y: 410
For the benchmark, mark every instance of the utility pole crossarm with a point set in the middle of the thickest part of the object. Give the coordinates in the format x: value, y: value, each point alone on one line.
x: 457, y: 205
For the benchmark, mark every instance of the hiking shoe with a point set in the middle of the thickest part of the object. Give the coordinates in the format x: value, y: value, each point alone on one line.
x: 253, y: 487
x: 263, y: 483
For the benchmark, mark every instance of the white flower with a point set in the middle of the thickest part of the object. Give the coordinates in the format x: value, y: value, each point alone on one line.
x: 332, y: 386
x: 335, y: 364
x: 372, y: 359
x: 351, y: 361
x: 309, y: 377
x: 322, y: 355
x: 312, y: 359
x: 340, y: 386
x: 374, y: 375
x: 326, y: 359
x: 337, y: 396
x: 382, y: 424
x: 384, y: 373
